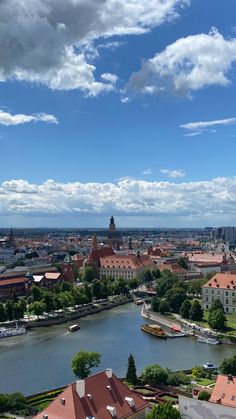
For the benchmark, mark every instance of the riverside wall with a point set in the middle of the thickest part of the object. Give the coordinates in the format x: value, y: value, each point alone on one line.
x: 74, y: 315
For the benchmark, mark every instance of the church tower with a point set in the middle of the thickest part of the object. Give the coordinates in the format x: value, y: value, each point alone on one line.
x: 11, y: 240
x: 94, y: 244
x: 112, y: 226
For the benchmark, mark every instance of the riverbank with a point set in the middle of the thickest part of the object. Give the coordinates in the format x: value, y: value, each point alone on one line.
x: 192, y: 328
x: 72, y: 315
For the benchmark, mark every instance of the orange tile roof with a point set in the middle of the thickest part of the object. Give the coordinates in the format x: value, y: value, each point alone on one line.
x: 104, y: 392
x: 224, y: 391
x: 13, y: 281
x: 125, y: 262
x: 52, y: 275
x: 222, y: 280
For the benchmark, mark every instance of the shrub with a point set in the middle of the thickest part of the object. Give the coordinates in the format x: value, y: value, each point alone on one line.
x: 204, y: 395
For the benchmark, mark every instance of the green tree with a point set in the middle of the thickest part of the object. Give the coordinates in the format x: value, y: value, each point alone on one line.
x: 228, y: 366
x: 134, y: 283
x: 164, y: 307
x: 217, y: 319
x: 36, y: 293
x: 217, y: 304
x: 155, y: 303
x: 9, y: 309
x: 83, y: 362
x: 48, y: 300
x: 121, y: 287
x: 37, y: 308
x: 163, y: 411
x: 89, y: 274
x: 131, y: 376
x: 165, y: 283
x: 147, y: 276
x: 196, y: 311
x: 156, y: 273
x: 154, y: 375
x: 177, y: 378
x: 3, y: 313
x: 18, y: 311
x: 185, y: 309
x: 97, y: 289
x: 176, y: 296
x: 204, y: 395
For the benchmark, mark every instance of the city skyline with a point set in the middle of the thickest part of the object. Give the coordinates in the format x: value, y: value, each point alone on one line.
x: 115, y: 107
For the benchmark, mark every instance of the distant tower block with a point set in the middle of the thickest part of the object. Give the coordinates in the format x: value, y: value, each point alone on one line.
x: 94, y: 244
x: 130, y: 244
x: 112, y: 226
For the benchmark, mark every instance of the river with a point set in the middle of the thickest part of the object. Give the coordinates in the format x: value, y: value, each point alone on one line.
x: 41, y: 359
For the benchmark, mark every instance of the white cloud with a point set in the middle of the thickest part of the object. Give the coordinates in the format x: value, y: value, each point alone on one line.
x: 147, y: 172
x: 187, y: 65
x: 8, y: 119
x: 112, y: 78
x: 193, y: 134
x: 51, y: 42
x: 173, y: 173
x: 214, y: 198
x: 192, y: 126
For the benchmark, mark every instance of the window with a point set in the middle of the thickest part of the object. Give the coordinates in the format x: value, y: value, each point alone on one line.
x: 206, y: 291
x: 226, y: 309
x: 226, y: 292
x: 226, y: 301
x: 212, y: 291
x: 206, y: 306
x: 218, y: 292
x: 206, y: 298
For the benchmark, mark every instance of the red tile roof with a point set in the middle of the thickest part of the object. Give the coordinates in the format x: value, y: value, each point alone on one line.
x: 103, y: 392
x: 96, y: 254
x: 224, y: 391
x: 13, y: 281
x: 222, y: 280
x: 125, y: 262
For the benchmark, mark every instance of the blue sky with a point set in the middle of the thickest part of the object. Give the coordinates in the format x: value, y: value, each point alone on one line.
x: 117, y: 107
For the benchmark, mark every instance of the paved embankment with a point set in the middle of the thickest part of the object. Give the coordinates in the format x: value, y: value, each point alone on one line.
x: 75, y: 315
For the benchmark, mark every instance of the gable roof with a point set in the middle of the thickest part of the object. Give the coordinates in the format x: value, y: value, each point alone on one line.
x: 222, y: 280
x: 224, y: 391
x: 125, y: 262
x: 104, y: 392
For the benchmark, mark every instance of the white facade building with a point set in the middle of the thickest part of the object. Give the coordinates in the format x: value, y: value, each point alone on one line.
x: 222, y: 287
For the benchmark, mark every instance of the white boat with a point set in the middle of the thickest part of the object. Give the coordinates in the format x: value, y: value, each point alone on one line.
x: 6, y: 332
x: 74, y: 327
x: 210, y: 341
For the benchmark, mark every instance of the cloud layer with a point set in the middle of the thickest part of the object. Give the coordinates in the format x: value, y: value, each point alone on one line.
x: 8, y: 119
x: 50, y: 41
x: 187, y: 65
x: 127, y: 197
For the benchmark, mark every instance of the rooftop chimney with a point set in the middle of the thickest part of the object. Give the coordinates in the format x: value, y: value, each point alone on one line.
x: 63, y: 401
x: 109, y: 372
x: 89, y: 396
x: 80, y: 388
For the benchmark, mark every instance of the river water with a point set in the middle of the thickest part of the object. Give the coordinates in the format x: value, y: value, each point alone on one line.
x: 41, y: 359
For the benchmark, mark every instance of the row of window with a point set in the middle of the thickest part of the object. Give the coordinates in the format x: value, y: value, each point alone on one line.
x: 218, y: 292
